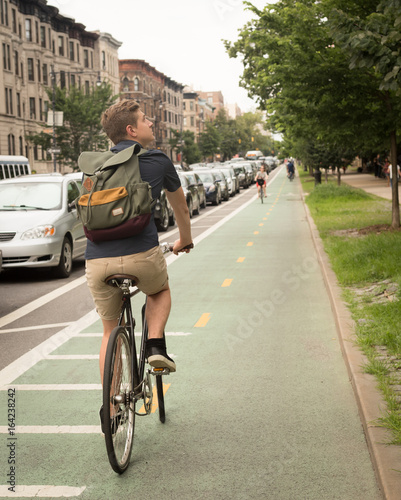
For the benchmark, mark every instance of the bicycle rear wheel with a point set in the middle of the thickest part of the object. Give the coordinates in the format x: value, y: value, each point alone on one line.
x: 160, y: 398
x: 118, y: 404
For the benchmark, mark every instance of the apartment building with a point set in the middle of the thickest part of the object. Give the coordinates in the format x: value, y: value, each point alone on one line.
x: 197, y: 111
x: 160, y: 97
x: 39, y: 44
x: 214, y: 99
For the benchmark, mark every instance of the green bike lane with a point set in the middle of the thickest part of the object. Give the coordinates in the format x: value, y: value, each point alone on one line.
x: 260, y: 406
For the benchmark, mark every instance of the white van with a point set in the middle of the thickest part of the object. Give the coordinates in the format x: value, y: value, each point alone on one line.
x: 13, y: 166
x: 253, y: 155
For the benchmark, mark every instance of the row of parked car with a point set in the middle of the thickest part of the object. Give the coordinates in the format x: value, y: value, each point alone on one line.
x: 39, y: 225
x: 210, y: 183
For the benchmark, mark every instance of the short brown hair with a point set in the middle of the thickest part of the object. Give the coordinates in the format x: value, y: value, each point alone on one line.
x: 116, y: 118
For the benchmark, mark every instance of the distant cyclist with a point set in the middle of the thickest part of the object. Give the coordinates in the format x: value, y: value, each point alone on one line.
x: 290, y: 169
x: 260, y: 179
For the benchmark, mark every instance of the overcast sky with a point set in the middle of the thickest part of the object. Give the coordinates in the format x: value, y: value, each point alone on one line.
x: 180, y: 38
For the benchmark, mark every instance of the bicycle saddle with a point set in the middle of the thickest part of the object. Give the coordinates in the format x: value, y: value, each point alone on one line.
x: 119, y: 279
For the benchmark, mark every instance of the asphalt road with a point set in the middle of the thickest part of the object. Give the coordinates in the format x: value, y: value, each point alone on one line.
x: 260, y: 406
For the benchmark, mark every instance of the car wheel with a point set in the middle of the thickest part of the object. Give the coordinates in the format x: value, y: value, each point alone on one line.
x: 203, y: 205
x: 63, y: 270
x: 162, y: 223
x: 191, y: 208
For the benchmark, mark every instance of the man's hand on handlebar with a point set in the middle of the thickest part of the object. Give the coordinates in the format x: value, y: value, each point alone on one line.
x: 178, y: 247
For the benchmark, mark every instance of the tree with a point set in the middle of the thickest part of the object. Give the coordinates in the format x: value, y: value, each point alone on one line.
x: 81, y: 130
x: 209, y: 140
x: 372, y: 42
x: 303, y: 79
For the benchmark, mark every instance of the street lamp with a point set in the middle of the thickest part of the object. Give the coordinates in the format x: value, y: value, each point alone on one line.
x: 55, y: 150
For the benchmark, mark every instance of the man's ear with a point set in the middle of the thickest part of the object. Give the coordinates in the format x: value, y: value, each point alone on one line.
x: 131, y: 132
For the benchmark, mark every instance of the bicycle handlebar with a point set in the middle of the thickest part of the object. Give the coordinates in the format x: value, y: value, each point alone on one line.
x: 168, y: 247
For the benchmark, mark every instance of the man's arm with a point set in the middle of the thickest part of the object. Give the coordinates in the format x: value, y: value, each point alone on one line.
x: 179, y: 204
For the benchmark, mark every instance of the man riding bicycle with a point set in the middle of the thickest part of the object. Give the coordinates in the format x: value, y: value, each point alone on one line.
x: 290, y: 169
x: 261, y: 179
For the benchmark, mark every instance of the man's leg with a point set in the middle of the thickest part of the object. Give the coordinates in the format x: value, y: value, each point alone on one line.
x: 157, y: 312
x: 108, y: 327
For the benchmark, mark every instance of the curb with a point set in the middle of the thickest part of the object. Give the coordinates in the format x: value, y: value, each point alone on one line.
x: 386, y: 459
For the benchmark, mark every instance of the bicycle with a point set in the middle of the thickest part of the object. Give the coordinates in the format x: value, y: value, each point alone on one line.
x: 126, y: 382
x: 260, y: 183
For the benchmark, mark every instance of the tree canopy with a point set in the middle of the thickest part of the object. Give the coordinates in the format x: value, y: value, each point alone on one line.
x: 322, y: 71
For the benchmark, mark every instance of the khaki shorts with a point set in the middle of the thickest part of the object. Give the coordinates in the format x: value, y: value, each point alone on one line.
x: 148, y: 267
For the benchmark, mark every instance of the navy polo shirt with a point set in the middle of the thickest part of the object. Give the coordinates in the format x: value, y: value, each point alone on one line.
x: 157, y: 169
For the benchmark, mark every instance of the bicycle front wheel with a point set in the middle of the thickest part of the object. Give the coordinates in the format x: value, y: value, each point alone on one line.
x: 118, y: 401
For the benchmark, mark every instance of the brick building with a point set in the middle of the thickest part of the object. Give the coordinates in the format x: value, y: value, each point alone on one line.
x: 161, y: 99
x: 35, y: 40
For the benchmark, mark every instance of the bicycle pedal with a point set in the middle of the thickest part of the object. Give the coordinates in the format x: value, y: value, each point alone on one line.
x: 159, y: 371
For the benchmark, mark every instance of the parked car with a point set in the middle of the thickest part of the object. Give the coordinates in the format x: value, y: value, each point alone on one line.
x: 164, y: 214
x: 191, y: 195
x: 249, y: 171
x: 225, y: 194
x: 240, y: 172
x: 232, y: 179
x: 196, y: 181
x: 38, y: 224
x: 212, y: 186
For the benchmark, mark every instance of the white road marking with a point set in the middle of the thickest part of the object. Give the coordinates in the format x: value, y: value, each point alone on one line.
x: 53, y: 387
x: 45, y: 491
x: 37, y: 327
x: 35, y: 304
x: 53, y: 429
x: 56, y: 357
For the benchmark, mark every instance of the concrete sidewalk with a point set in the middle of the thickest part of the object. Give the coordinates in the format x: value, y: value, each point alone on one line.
x: 369, y: 183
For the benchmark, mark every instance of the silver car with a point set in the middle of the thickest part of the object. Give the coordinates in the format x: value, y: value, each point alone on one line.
x: 38, y: 224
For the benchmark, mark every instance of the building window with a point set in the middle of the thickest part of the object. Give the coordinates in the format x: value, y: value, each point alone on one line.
x: 28, y: 30
x: 40, y: 110
x: 38, y: 66
x: 14, y: 20
x: 78, y: 52
x: 91, y: 59
x: 136, y: 85
x: 44, y: 73
x: 37, y: 31
x: 11, y: 144
x: 4, y: 12
x: 62, y: 79
x: 103, y: 59
x: 31, y: 76
x: 21, y: 147
x: 86, y: 58
x: 43, y: 36
x: 6, y: 57
x: 16, y: 62
x: 72, y: 80
x: 87, y: 90
x: 71, y: 51
x: 125, y: 85
x: 18, y: 104
x: 32, y: 108
x: 192, y: 121
x: 60, y: 45
x: 191, y: 105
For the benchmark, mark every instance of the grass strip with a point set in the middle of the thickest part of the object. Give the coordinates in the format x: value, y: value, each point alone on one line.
x: 365, y: 255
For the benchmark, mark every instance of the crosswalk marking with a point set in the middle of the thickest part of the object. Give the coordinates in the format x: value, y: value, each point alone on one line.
x: 54, y: 387
x: 54, y: 429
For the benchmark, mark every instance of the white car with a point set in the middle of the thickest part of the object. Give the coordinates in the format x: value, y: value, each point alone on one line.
x: 38, y: 223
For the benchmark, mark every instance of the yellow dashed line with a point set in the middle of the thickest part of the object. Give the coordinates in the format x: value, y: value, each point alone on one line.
x: 249, y: 244
x: 241, y: 259
x: 155, y: 404
x: 261, y: 224
x: 256, y: 232
x: 227, y: 282
x: 202, y: 321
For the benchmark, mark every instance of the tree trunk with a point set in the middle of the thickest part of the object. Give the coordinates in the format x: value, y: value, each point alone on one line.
x: 325, y: 175
x: 395, y: 223
x: 338, y: 176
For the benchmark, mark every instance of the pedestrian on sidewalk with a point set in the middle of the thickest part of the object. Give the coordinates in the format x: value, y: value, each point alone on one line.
x: 386, y: 171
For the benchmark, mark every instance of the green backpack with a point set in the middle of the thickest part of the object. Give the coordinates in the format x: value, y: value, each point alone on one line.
x: 114, y: 201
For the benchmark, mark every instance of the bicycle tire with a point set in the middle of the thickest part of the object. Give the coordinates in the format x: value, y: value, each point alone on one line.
x: 117, y: 381
x: 160, y: 398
